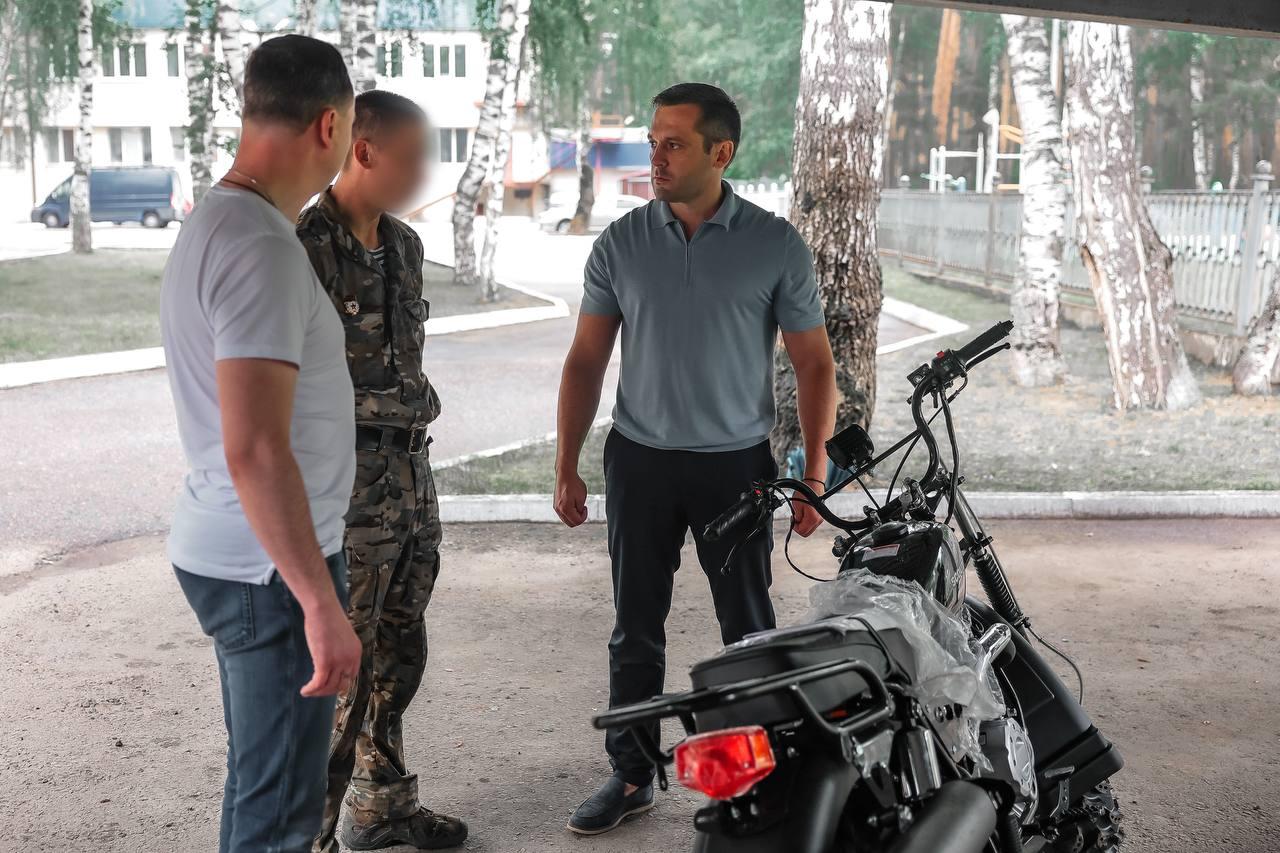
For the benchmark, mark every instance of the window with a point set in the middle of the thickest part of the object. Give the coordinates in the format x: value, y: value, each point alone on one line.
x: 68, y: 144
x: 145, y: 132
x: 122, y: 64
x: 127, y: 60
x: 453, y: 144
x: 460, y: 60
x: 444, y: 61
x: 116, y: 138
x: 171, y: 52
x: 428, y: 61
x: 397, y: 60
x: 108, y: 62
x: 178, y: 138
x: 139, y: 59
x: 50, y: 145
x: 9, y: 148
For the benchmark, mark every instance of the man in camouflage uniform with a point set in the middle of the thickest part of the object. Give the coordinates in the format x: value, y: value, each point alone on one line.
x: 370, y: 264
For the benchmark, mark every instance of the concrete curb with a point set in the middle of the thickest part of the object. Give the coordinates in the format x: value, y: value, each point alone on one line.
x: 1101, y: 506
x: 938, y: 325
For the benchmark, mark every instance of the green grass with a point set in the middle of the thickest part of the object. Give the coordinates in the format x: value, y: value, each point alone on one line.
x: 1013, y: 439
x: 67, y: 304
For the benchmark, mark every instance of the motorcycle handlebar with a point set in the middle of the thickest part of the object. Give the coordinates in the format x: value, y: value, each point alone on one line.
x: 984, y: 341
x: 747, y: 507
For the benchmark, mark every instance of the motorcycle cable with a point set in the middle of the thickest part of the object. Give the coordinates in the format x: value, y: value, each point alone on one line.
x: 893, y: 482
x: 1051, y: 647
x: 955, y: 460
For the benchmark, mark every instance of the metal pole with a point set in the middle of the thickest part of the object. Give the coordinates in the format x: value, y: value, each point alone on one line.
x: 1252, y: 261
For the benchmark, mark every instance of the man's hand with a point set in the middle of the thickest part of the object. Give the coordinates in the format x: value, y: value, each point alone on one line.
x: 804, y: 517
x: 571, y: 498
x: 335, y: 650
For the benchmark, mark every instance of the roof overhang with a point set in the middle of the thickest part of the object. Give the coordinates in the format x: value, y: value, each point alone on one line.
x: 1258, y: 18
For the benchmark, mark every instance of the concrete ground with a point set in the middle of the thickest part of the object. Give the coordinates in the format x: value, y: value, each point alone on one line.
x: 114, y: 735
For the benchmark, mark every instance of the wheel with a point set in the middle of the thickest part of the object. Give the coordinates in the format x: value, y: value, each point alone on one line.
x: 1091, y: 825
x: 51, y: 220
x: 562, y: 227
x: 151, y: 219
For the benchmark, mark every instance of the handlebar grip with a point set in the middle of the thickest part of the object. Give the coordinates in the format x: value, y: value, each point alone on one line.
x: 985, y: 341
x: 748, y: 506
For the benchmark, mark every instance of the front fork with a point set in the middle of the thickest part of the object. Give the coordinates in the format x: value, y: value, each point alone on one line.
x: 995, y: 583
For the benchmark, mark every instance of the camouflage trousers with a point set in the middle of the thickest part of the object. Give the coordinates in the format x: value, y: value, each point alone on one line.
x: 393, y: 556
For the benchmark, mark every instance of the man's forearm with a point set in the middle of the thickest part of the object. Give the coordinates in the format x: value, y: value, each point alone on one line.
x: 816, y: 407
x: 274, y: 499
x: 579, y: 400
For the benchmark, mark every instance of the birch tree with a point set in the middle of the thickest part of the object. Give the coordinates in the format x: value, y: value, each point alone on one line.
x: 1037, y: 349
x: 1201, y: 153
x: 504, y: 51
x: 496, y: 181
x: 1256, y: 366
x: 1130, y: 268
x: 358, y: 40
x: 8, y: 39
x: 581, y: 220
x: 81, y: 233
x: 231, y: 36
x: 304, y: 17
x: 201, y: 78
x: 837, y: 158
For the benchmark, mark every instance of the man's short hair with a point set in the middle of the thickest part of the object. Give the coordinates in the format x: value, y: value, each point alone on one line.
x: 293, y: 79
x: 379, y: 111
x: 720, y: 117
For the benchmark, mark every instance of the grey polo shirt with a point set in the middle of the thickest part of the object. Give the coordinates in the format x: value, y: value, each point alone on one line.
x: 700, y: 319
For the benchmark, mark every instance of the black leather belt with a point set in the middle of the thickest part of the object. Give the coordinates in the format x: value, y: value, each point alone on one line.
x: 413, y: 440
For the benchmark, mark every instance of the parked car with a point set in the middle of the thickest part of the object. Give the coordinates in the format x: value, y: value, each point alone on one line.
x: 606, y: 209
x: 152, y: 195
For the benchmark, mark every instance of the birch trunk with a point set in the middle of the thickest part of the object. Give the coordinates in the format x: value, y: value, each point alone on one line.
x: 358, y: 41
x: 304, y: 17
x: 201, y: 74
x: 496, y: 181
x: 837, y: 157
x: 513, y: 21
x: 1199, y: 151
x: 8, y: 38
x: 231, y: 35
x: 581, y: 221
x: 1037, y: 348
x: 81, y: 234
x: 1256, y: 365
x: 1130, y: 268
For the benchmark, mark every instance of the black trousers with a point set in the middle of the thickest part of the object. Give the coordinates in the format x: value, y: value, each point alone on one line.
x: 652, y: 498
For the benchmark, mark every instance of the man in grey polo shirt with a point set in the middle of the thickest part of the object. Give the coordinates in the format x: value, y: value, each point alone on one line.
x: 699, y: 282
x: 258, y: 369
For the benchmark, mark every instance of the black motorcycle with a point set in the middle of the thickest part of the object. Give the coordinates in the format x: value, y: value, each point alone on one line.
x: 846, y: 733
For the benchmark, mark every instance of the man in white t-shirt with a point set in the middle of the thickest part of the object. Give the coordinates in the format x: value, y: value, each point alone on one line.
x: 257, y: 366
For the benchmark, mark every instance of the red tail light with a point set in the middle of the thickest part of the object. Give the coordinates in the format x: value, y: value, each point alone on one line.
x: 725, y: 764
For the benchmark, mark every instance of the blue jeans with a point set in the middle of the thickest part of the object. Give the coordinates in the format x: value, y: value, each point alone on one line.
x: 277, y: 739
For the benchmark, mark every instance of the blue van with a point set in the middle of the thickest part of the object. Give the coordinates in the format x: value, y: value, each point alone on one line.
x: 151, y: 195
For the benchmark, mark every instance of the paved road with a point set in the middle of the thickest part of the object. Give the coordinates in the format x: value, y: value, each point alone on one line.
x: 114, y: 736
x: 95, y: 460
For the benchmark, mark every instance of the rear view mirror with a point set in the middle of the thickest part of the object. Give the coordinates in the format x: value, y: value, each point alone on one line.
x: 851, y: 448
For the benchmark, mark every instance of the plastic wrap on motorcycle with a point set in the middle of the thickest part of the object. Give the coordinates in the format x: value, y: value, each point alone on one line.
x: 1060, y: 730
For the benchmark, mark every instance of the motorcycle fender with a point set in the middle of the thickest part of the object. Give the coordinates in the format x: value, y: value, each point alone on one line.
x: 819, y: 788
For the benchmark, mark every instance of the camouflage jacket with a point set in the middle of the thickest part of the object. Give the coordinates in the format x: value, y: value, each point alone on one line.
x: 382, y: 312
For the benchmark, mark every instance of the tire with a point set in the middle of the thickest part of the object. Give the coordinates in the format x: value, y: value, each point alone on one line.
x: 1091, y: 825
x: 562, y: 227
x: 51, y: 220
x: 151, y: 219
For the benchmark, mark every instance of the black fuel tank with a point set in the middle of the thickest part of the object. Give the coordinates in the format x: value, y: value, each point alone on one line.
x: 922, y: 551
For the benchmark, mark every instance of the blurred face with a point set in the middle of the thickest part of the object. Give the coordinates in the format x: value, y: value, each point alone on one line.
x: 681, y: 167
x: 394, y: 164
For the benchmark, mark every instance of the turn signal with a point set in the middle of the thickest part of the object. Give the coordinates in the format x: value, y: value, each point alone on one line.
x: 725, y: 764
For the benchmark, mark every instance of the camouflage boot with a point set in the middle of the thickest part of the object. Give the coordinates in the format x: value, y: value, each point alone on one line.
x: 424, y: 830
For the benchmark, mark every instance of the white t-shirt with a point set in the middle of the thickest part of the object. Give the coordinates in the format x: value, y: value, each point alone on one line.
x: 238, y: 284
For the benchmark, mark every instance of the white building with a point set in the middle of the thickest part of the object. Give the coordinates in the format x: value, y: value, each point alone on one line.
x: 140, y: 100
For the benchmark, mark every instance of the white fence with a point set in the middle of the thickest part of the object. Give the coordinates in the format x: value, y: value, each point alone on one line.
x: 1225, y: 245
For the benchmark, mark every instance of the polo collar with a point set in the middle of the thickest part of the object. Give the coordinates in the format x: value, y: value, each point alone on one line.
x: 661, y: 215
